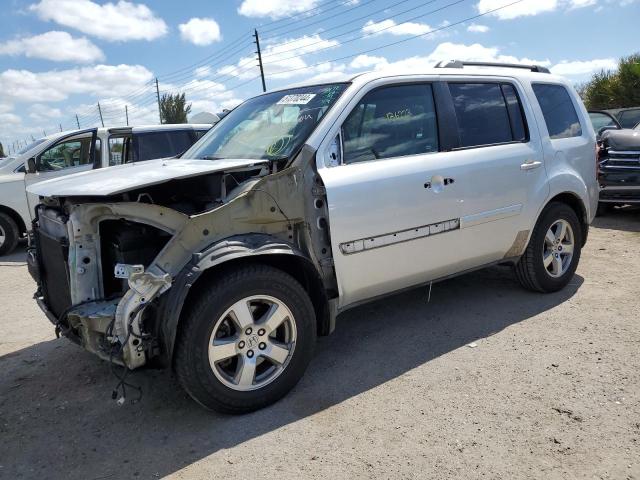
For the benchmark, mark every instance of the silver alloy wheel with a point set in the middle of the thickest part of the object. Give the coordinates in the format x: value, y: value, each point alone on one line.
x: 252, y: 342
x: 3, y: 236
x: 557, y: 250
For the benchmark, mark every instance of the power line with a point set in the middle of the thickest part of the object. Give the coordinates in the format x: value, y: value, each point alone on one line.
x: 413, y: 37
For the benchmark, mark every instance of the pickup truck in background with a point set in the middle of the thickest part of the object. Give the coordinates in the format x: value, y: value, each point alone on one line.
x: 75, y: 151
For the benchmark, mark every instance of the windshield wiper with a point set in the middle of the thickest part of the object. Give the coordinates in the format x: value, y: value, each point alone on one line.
x: 211, y: 157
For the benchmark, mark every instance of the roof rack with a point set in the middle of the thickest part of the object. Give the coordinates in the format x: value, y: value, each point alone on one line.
x: 461, y: 64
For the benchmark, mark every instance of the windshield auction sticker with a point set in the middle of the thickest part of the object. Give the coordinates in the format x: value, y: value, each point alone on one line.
x: 296, y: 99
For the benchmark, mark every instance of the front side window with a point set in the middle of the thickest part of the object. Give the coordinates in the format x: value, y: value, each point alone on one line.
x: 487, y: 114
x: 66, y: 154
x: 271, y: 127
x: 558, y: 110
x: 391, y: 122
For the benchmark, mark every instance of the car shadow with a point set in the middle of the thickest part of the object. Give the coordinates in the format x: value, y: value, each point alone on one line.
x: 625, y: 219
x: 57, y: 418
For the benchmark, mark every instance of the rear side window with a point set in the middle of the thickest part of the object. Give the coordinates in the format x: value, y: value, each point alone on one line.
x: 163, y: 144
x: 391, y: 122
x: 487, y: 114
x: 558, y: 110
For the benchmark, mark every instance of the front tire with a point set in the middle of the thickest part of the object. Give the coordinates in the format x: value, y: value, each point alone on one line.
x: 553, y: 253
x: 9, y: 234
x: 247, y: 340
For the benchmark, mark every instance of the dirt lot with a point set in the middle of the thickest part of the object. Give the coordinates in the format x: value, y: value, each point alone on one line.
x: 551, y: 389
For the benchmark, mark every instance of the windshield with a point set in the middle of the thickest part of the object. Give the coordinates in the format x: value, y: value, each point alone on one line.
x: 271, y: 126
x: 30, y: 146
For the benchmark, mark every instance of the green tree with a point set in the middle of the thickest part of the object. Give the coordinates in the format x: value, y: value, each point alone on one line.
x: 173, y: 108
x: 2, y: 151
x: 615, y: 89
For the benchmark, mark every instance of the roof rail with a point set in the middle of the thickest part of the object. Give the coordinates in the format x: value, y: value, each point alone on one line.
x: 461, y: 64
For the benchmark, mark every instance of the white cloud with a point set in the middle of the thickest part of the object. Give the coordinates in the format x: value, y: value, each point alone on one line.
x: 200, y: 31
x: 275, y: 8
x: 444, y: 51
x: 40, y: 112
x: 524, y: 8
x: 55, y: 46
x: 584, y: 68
x: 366, y: 61
x: 475, y: 28
x: 279, y: 58
x: 391, y: 27
x: 58, y: 85
x: 115, y: 22
x: 202, y: 72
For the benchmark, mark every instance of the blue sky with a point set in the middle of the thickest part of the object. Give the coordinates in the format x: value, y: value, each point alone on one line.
x: 58, y: 58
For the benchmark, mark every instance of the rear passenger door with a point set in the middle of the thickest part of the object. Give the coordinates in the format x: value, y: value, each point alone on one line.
x: 504, y: 181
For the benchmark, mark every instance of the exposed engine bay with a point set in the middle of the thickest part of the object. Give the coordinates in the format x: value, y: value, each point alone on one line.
x: 123, y: 255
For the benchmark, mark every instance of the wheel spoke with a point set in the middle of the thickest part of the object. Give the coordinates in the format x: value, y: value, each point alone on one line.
x: 557, y: 265
x: 247, y: 373
x: 567, y: 248
x: 222, y: 349
x: 561, y: 231
x: 276, y: 352
x: 275, y: 317
x: 549, y: 238
x: 547, y: 260
x: 242, y: 315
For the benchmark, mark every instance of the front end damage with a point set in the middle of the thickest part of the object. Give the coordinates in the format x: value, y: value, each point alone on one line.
x: 114, y: 271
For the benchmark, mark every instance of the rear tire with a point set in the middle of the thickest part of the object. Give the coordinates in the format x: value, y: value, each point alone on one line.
x: 9, y: 234
x: 549, y: 262
x: 235, y: 359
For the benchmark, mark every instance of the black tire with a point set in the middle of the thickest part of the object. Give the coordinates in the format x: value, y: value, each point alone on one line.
x: 604, y: 209
x: 11, y: 234
x: 191, y: 353
x: 530, y: 270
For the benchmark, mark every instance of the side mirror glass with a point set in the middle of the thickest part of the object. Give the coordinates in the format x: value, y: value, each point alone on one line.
x: 31, y: 165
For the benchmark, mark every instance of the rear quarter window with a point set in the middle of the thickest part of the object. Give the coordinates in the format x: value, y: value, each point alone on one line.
x: 558, y: 110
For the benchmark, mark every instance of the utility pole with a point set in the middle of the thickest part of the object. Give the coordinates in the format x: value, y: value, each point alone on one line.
x: 126, y: 114
x: 60, y: 125
x: 44, y: 133
x: 158, y: 95
x: 257, y: 42
x: 33, y: 139
x: 100, y: 112
x: 77, y: 121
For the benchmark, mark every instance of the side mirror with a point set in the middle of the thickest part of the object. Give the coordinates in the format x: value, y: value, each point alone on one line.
x: 31, y: 165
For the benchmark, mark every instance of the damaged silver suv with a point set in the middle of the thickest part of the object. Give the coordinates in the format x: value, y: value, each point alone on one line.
x: 227, y: 263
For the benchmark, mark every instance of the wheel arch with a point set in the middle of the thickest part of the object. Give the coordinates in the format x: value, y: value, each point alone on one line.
x: 15, y: 216
x: 232, y: 253
x: 574, y: 201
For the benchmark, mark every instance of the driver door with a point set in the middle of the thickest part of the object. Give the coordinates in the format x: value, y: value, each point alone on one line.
x: 71, y: 154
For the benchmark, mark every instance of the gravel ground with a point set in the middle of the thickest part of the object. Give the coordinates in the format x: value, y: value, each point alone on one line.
x: 485, y: 381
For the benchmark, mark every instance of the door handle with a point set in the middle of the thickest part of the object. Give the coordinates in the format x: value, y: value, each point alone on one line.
x: 530, y: 165
x: 438, y: 182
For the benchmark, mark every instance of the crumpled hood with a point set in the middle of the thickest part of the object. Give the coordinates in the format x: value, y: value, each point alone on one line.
x: 625, y: 139
x: 122, y: 178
